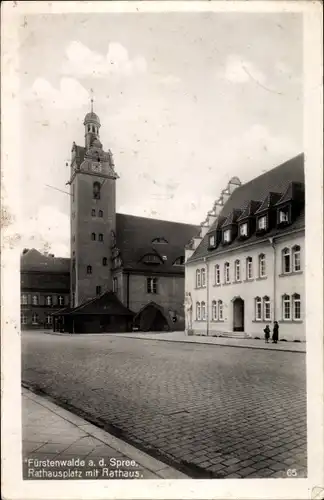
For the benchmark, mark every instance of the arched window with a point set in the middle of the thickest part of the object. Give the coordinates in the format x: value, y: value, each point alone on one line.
x: 198, y: 311
x: 35, y: 300
x: 24, y: 299
x: 286, y: 307
x: 100, y: 213
x: 203, y: 311
x: 89, y: 269
x: 262, y: 266
x: 296, y: 307
x: 220, y: 310
x: 49, y: 300
x: 203, y: 277
x: 286, y: 262
x: 214, y: 310
x: 96, y: 190
x: 258, y: 308
x: 217, y: 274
x: 237, y: 270
x: 296, y: 258
x: 93, y: 236
x: 249, y: 268
x: 101, y: 237
x: 104, y: 261
x: 266, y: 308
x: 198, y: 279
x: 60, y: 300
x: 226, y: 272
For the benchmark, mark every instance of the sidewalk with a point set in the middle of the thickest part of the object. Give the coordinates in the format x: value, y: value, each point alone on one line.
x: 60, y: 445
x: 220, y: 341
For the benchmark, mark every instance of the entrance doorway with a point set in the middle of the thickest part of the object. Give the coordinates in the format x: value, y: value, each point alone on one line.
x: 238, y: 315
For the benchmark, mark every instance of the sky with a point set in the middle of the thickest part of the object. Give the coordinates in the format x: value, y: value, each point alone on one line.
x: 186, y: 101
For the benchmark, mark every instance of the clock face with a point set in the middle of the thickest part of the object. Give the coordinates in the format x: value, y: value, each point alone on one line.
x: 96, y: 167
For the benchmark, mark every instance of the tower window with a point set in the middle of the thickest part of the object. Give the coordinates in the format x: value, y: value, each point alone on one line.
x: 89, y: 128
x: 98, y: 290
x: 100, y: 237
x: 104, y: 261
x: 100, y: 213
x: 89, y: 269
x: 93, y: 129
x: 93, y: 212
x: 96, y: 190
x: 93, y: 236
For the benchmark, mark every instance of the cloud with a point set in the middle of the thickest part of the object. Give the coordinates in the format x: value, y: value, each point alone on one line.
x: 47, y: 230
x: 238, y: 70
x: 82, y: 62
x: 70, y: 94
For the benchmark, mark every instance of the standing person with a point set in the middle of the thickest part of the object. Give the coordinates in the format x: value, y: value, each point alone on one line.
x: 275, y: 335
x: 267, y: 334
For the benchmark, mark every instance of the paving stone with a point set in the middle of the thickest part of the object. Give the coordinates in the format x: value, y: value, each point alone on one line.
x: 213, y: 384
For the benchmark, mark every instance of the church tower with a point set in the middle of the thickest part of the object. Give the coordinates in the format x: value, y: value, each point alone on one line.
x: 93, y: 214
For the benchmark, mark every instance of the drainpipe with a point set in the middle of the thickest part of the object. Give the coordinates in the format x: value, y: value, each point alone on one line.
x: 272, y: 243
x: 207, y: 296
x: 127, y: 290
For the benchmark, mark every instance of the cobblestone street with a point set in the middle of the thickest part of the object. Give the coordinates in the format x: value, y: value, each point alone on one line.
x: 214, y: 411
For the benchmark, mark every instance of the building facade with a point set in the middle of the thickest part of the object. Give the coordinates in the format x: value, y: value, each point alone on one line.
x: 245, y: 269
x: 45, y: 288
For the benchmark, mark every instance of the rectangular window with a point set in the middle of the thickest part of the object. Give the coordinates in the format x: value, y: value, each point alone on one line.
x: 203, y: 278
x: 244, y: 229
x: 24, y: 299
x: 23, y: 319
x: 220, y: 310
x: 217, y: 274
x: 198, y: 278
x: 198, y: 311
x: 214, y: 310
x: 61, y: 300
x: 296, y: 259
x: 203, y: 311
x: 35, y: 319
x: 151, y: 284
x: 93, y: 212
x: 258, y: 309
x: 227, y: 272
x: 212, y: 241
x: 262, y: 266
x: 49, y: 300
x: 115, y: 285
x: 249, y: 268
x: 98, y: 290
x: 286, y: 307
x: 237, y: 271
x: 35, y: 300
x: 283, y: 216
x: 49, y: 319
x: 227, y: 235
x: 100, y: 237
x: 286, y: 260
x: 266, y: 310
x: 297, y: 309
x: 262, y: 222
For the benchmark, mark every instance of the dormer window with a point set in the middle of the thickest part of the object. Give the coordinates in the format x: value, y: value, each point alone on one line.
x: 283, y: 216
x: 227, y: 236
x: 244, y: 229
x: 212, y: 241
x: 151, y: 259
x: 160, y: 240
x: 262, y: 223
x: 179, y: 261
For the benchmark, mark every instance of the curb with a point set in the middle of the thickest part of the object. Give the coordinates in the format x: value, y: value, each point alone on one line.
x: 211, y: 344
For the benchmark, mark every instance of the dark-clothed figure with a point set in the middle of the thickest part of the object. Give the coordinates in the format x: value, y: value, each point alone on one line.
x: 275, y: 335
x: 267, y: 334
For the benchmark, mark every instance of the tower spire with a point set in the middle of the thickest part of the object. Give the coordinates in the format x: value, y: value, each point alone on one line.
x: 91, y: 90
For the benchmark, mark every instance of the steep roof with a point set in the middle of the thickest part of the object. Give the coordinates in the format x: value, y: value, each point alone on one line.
x: 275, y: 180
x: 135, y: 238
x: 33, y: 260
x: 107, y: 303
